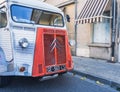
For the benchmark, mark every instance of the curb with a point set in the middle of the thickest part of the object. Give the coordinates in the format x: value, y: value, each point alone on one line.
x: 96, y: 78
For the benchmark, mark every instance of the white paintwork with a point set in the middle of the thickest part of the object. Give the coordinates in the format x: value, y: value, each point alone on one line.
x: 14, y: 34
x: 35, y: 3
x: 1, y: 1
x: 3, y: 68
x: 24, y: 56
x: 5, y: 44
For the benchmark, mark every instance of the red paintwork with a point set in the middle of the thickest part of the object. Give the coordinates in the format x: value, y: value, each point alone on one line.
x: 39, y: 67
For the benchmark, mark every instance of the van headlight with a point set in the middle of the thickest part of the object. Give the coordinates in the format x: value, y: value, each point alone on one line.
x: 72, y: 42
x: 23, y: 43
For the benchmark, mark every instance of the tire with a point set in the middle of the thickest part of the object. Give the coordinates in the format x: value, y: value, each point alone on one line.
x: 4, y: 81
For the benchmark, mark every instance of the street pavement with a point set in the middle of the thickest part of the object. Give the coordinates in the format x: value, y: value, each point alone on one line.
x: 98, y: 70
x: 65, y: 83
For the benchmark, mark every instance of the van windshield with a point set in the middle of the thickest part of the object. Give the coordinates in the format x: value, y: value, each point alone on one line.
x: 36, y: 16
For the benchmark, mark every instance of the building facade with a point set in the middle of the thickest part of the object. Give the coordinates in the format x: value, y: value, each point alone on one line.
x: 91, y: 26
x: 68, y: 7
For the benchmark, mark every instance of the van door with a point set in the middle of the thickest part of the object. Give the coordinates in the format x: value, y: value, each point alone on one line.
x: 5, y: 43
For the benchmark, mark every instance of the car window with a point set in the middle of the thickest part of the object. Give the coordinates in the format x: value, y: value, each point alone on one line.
x: 3, y: 18
x: 36, y: 16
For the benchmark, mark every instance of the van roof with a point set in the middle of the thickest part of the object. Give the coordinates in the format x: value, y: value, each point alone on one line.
x: 35, y: 3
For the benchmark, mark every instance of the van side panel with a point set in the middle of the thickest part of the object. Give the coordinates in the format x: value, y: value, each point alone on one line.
x: 6, y: 46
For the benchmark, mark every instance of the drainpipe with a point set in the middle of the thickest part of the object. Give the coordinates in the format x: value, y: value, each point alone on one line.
x: 75, y: 27
x: 114, y: 4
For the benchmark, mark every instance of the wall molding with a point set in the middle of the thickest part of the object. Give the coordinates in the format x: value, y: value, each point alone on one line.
x: 66, y: 3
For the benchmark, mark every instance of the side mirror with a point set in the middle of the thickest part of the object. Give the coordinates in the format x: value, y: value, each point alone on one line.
x: 3, y: 10
x: 68, y: 18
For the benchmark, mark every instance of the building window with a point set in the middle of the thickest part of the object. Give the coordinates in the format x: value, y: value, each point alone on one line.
x: 101, y: 30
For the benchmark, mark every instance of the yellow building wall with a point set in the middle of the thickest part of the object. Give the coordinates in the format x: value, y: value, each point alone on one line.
x: 55, y: 2
x: 83, y: 31
x: 83, y: 34
x: 70, y: 10
x: 83, y: 40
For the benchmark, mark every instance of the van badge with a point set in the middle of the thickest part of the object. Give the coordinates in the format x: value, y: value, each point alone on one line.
x: 55, y: 44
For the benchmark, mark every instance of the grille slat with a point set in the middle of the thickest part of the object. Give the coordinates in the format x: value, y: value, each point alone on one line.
x: 61, y: 54
x: 49, y: 56
x: 54, y: 47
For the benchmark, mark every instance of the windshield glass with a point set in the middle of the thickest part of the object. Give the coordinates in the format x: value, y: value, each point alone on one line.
x: 3, y: 18
x: 36, y: 16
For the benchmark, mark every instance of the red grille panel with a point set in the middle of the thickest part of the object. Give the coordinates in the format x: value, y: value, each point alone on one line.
x: 54, y: 47
x: 51, y: 51
x: 49, y: 55
x: 40, y: 68
x: 61, y: 50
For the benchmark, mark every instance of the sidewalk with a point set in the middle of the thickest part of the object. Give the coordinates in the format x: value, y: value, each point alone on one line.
x: 98, y: 70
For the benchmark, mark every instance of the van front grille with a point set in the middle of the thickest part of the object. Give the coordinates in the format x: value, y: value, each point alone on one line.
x: 54, y: 47
x: 49, y: 55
